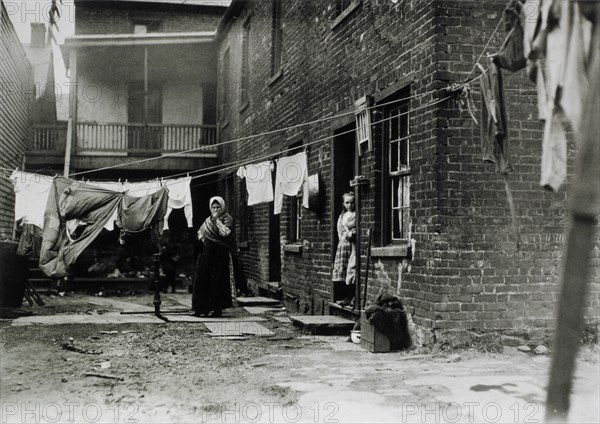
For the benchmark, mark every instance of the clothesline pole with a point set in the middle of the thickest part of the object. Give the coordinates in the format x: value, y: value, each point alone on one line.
x: 584, y: 209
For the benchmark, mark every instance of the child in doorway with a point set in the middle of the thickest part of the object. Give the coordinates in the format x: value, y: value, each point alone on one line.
x: 345, y: 256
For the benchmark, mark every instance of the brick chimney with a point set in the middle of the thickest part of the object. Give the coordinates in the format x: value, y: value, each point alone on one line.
x: 38, y: 35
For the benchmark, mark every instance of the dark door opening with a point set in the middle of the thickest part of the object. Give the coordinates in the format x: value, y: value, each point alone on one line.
x: 343, y: 164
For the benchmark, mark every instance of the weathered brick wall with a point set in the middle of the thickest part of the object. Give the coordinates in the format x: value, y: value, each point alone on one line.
x: 16, y: 94
x: 467, y: 276
x: 98, y: 18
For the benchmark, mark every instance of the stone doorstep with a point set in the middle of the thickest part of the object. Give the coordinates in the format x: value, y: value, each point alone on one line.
x: 323, y: 324
x: 257, y: 301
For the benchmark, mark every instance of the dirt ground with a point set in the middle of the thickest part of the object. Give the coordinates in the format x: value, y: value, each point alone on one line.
x: 177, y: 373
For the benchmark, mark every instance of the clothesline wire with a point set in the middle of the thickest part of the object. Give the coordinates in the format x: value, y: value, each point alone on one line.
x: 236, y: 164
x: 253, y: 160
x: 484, y: 49
x: 249, y: 137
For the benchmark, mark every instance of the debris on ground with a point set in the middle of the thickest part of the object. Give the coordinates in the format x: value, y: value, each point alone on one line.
x: 108, y: 376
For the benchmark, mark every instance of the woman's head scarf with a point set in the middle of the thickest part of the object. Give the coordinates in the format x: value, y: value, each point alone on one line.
x: 219, y: 200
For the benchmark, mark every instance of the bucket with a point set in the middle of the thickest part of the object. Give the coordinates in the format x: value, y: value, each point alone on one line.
x: 13, y: 275
x: 355, y: 336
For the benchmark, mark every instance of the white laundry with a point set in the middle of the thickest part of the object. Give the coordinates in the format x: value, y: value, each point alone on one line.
x: 292, y: 172
x: 180, y: 196
x: 259, y: 183
x: 31, y: 195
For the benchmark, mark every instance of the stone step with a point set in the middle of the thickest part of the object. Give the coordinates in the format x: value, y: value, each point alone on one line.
x: 323, y: 324
x: 257, y: 301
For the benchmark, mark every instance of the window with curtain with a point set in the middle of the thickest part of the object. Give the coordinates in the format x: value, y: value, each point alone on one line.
x: 396, y: 193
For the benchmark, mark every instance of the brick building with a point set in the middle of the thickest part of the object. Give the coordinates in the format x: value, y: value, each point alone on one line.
x: 16, y: 98
x: 286, y: 63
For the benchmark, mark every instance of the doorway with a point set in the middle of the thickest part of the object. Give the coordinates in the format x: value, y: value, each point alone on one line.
x: 343, y: 171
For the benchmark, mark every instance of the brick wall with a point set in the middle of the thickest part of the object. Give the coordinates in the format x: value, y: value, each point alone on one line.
x: 16, y: 94
x: 98, y: 18
x: 467, y: 276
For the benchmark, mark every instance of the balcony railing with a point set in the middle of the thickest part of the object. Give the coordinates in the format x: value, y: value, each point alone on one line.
x: 49, y: 138
x: 132, y: 139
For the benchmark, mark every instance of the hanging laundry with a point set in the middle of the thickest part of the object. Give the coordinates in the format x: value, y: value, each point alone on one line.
x: 108, y: 185
x: 291, y: 174
x: 31, y: 195
x: 137, y: 214
x: 494, y: 123
x: 69, y: 200
x: 511, y: 55
x: 564, y: 39
x: 76, y: 213
x: 180, y: 196
x: 259, y: 183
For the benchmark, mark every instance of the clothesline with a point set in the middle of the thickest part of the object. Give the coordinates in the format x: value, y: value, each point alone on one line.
x: 249, y: 137
x: 264, y: 157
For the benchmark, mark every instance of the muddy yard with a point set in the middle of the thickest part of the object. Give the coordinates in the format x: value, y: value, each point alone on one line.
x: 105, y: 371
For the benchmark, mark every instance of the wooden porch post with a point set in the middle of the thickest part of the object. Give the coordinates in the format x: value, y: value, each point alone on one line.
x: 72, y: 125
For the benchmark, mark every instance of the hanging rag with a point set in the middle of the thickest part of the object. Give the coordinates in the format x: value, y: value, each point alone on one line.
x: 568, y: 34
x: 511, y: 55
x: 292, y: 172
x: 259, y: 183
x: 137, y: 214
x: 70, y: 200
x: 180, y: 195
x: 494, y: 122
x: 113, y: 186
x: 31, y: 193
x: 494, y: 133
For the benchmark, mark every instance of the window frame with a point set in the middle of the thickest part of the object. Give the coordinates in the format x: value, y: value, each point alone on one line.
x: 396, y: 171
x: 276, y: 37
x: 245, y: 66
x: 225, y: 89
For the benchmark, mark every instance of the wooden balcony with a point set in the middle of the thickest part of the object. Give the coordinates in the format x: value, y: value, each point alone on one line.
x: 48, y: 139
x: 127, y: 139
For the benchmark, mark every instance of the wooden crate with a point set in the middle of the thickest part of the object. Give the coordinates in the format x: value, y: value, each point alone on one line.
x: 372, y: 339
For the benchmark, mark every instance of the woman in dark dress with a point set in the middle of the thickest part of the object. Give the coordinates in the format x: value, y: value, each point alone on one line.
x: 212, y: 290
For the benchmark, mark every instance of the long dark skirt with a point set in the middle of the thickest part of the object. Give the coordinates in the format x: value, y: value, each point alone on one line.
x: 212, y: 291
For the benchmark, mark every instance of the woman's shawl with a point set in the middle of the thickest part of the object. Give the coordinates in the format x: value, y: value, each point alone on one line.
x: 210, y: 230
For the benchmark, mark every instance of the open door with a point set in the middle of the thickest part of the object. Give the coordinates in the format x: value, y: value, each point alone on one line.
x: 343, y: 163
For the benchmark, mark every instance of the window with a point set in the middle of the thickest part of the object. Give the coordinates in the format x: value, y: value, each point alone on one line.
x: 226, y: 87
x: 276, y: 37
x: 363, y: 124
x: 295, y: 227
x: 296, y: 219
x: 396, y: 192
x: 245, y: 83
